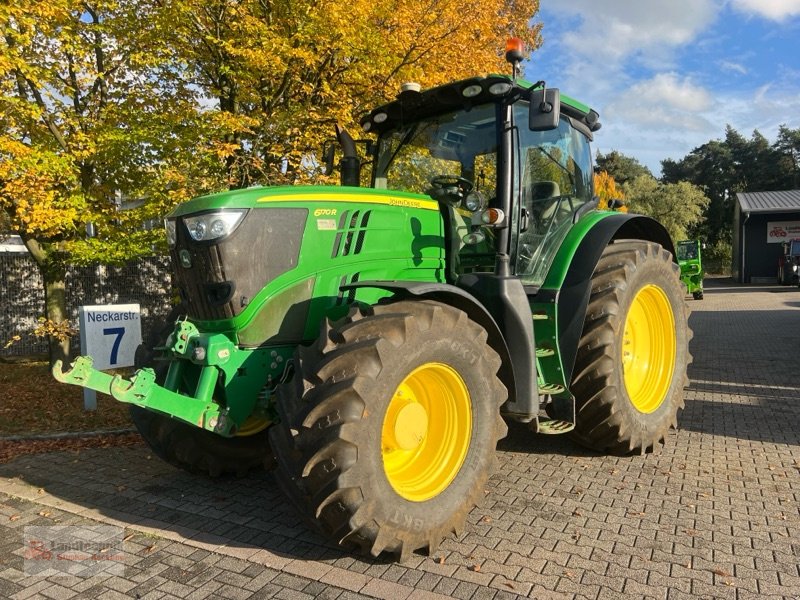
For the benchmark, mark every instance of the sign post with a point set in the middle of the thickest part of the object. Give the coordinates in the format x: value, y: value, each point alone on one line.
x: 110, y: 334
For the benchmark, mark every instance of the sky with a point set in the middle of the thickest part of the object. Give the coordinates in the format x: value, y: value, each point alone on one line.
x: 667, y: 76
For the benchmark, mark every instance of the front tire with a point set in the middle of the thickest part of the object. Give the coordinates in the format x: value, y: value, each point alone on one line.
x: 389, y: 429
x: 630, y: 370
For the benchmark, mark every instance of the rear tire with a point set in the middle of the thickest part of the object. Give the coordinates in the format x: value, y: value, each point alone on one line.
x: 389, y: 429
x: 630, y: 369
x: 191, y: 448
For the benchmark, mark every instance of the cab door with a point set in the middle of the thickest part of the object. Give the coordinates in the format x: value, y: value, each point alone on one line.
x: 553, y: 181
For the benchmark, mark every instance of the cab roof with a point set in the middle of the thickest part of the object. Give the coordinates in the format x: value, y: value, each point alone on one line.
x: 412, y: 105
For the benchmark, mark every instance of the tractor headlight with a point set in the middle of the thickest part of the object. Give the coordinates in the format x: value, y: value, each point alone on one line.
x: 212, y: 226
x: 475, y: 201
x: 172, y: 235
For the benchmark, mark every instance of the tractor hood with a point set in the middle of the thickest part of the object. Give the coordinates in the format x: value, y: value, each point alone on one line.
x: 233, y: 251
x: 267, y: 197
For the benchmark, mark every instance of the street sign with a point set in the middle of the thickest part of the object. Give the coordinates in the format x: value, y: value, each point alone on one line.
x: 110, y: 334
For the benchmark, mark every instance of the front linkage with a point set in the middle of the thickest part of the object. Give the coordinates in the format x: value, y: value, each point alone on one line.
x: 213, y: 353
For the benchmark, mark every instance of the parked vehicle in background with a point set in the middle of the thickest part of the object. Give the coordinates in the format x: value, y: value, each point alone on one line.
x: 789, y: 263
x: 691, y: 264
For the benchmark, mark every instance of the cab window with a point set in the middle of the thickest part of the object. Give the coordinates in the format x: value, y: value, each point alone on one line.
x: 554, y: 180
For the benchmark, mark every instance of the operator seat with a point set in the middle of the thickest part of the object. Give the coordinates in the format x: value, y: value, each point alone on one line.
x: 544, y: 202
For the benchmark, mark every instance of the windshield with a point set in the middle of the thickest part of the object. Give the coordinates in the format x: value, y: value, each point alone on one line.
x: 687, y: 250
x: 462, y: 144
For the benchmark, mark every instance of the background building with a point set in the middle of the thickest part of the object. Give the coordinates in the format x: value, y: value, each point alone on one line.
x: 762, y: 222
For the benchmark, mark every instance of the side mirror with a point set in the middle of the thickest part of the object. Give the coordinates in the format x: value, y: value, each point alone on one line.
x: 545, y: 110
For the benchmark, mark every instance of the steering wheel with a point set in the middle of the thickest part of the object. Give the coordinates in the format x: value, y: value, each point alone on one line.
x: 450, y: 188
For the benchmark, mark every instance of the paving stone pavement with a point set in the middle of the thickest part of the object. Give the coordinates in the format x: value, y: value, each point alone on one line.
x: 713, y: 514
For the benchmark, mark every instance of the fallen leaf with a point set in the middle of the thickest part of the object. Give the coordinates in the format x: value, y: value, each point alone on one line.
x: 122, y: 488
x: 509, y: 585
x: 727, y: 582
x: 128, y: 537
x: 150, y: 548
x: 439, y: 560
x: 40, y: 491
x: 721, y: 573
x: 569, y: 574
x: 476, y: 568
x: 45, y: 513
x: 577, y: 513
x: 486, y: 519
x: 691, y: 532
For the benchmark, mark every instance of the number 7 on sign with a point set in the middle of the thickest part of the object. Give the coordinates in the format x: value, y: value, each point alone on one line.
x: 119, y: 332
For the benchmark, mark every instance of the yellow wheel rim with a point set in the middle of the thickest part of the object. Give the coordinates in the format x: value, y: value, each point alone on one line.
x: 648, y: 349
x: 252, y: 426
x: 426, y: 432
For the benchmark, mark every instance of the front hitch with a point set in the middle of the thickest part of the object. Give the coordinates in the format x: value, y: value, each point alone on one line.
x: 142, y: 390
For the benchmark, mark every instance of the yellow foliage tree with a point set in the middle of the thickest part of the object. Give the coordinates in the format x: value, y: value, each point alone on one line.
x: 281, y: 73
x: 89, y: 110
x: 110, y: 100
x: 606, y: 189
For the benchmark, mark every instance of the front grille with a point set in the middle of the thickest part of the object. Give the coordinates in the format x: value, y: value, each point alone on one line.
x: 224, y: 277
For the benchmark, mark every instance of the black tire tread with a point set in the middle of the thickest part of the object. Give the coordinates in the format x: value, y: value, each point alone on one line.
x: 601, y: 425
x: 316, y: 445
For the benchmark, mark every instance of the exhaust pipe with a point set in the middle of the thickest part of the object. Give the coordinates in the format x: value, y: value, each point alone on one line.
x: 350, y: 165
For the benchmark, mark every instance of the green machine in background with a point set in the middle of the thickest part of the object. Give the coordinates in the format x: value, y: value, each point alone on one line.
x: 691, y: 264
x: 371, y: 340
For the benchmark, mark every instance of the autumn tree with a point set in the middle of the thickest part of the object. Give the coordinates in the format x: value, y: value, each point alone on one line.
x: 90, y: 114
x: 114, y: 100
x: 281, y: 73
x: 606, y: 189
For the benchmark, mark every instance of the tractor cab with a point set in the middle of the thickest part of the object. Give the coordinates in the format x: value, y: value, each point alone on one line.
x: 509, y: 191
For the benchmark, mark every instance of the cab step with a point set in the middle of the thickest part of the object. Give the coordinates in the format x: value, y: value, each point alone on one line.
x: 554, y: 426
x: 550, y: 389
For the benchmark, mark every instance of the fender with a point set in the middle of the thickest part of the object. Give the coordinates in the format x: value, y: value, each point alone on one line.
x: 569, y: 284
x: 454, y: 296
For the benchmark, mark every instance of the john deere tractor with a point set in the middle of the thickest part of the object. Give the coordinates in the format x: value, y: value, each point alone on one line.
x: 372, y: 340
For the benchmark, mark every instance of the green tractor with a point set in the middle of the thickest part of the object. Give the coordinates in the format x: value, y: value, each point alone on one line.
x: 372, y: 341
x: 691, y: 264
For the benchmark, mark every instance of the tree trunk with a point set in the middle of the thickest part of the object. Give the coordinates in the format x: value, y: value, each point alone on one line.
x: 55, y: 300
